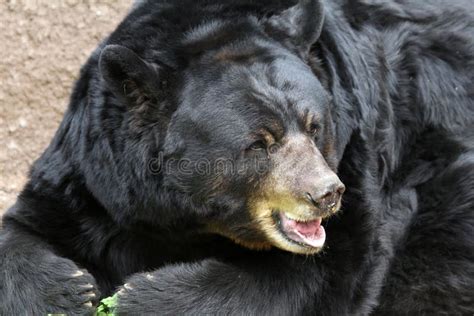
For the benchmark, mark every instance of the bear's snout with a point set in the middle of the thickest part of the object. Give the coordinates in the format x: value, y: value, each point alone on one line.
x: 326, y: 200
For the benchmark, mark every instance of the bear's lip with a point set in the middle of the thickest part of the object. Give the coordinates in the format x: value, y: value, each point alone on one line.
x: 308, y: 233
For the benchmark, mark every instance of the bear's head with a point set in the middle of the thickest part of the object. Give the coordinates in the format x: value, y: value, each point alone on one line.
x: 248, y: 126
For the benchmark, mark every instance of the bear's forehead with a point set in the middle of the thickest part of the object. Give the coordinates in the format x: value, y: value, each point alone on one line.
x: 252, y: 98
x: 239, y: 55
x: 282, y: 83
x: 245, y: 82
x: 212, y: 35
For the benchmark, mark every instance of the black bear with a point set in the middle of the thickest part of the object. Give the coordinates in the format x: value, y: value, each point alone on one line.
x: 203, y: 160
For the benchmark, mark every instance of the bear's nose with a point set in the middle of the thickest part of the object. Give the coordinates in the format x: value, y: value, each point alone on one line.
x: 328, y: 200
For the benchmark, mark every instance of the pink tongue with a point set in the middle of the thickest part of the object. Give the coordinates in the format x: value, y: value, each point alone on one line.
x: 310, y: 233
x: 307, y: 228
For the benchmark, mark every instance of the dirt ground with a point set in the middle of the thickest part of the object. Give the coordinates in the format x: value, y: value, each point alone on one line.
x: 43, y: 45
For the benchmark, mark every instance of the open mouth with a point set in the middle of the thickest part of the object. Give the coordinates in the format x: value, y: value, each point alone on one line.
x: 307, y: 233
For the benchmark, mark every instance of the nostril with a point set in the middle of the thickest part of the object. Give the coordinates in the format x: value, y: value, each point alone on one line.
x: 341, y: 189
x: 327, y: 196
x: 322, y: 201
x: 310, y: 198
x: 337, y: 189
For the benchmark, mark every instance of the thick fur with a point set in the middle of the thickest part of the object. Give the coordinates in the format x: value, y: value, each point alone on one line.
x: 401, y: 79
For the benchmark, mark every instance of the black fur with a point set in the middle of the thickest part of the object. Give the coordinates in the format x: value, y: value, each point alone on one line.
x: 395, y: 78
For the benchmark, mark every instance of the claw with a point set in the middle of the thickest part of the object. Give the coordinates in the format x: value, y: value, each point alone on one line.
x: 127, y: 286
x: 149, y: 277
x: 78, y: 273
x: 88, y: 286
x: 90, y: 294
x: 121, y: 292
x: 88, y: 304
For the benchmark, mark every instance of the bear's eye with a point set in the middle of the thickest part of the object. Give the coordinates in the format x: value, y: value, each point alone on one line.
x: 258, y: 145
x: 314, y: 129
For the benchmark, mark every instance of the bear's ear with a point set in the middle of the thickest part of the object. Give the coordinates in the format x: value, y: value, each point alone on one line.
x: 301, y: 24
x: 127, y: 74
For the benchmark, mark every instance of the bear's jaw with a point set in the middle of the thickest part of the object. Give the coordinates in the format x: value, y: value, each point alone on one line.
x: 295, y: 229
x: 306, y: 233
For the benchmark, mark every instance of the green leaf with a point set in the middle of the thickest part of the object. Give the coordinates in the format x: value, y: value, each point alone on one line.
x: 107, y: 306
